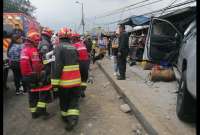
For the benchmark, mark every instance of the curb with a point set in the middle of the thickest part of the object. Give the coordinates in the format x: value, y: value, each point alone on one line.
x: 147, y: 126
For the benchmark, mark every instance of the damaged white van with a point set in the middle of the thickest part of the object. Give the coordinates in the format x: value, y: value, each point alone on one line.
x: 172, y: 38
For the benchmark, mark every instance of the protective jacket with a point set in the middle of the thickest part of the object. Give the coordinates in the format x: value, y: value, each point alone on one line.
x: 65, y: 69
x: 44, y: 47
x: 82, y: 51
x: 30, y: 62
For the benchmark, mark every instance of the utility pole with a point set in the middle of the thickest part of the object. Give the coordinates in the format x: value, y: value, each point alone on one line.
x: 82, y: 20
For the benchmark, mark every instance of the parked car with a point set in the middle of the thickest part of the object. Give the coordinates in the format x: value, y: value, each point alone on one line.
x: 172, y: 38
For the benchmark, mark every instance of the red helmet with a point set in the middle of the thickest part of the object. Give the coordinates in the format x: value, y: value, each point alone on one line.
x: 74, y: 34
x: 47, y: 31
x: 34, y: 36
x: 64, y: 33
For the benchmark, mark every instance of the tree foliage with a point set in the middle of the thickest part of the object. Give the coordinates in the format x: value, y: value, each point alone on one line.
x: 23, y: 6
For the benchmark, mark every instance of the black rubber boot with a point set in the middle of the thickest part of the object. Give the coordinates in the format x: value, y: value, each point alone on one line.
x: 45, y: 115
x: 55, y: 94
x: 72, y: 122
x: 82, y: 93
x: 35, y: 115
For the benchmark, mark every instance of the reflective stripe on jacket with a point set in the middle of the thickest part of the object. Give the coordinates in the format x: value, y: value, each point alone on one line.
x: 65, y: 69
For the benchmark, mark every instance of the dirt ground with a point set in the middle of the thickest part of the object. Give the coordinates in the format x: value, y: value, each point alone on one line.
x: 155, y: 101
x: 100, y: 113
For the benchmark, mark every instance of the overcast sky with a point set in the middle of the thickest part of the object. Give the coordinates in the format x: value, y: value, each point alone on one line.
x: 59, y: 13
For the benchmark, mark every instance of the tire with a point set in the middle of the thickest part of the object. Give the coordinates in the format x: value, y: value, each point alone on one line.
x: 186, y: 104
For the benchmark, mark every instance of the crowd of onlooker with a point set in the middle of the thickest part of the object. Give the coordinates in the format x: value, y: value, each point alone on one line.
x: 119, y: 46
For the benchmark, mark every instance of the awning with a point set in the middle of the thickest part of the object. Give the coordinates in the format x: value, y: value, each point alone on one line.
x: 135, y: 21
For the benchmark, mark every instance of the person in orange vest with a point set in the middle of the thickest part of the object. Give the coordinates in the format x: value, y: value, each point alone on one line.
x: 32, y: 71
x: 84, y: 60
x: 66, y: 76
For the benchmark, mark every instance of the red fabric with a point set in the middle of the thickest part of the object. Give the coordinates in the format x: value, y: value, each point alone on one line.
x: 70, y: 75
x: 82, y: 50
x: 42, y: 88
x: 29, y: 60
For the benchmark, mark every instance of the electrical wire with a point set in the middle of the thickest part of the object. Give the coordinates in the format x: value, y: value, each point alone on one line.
x: 124, y: 10
x: 157, y: 11
x: 145, y: 5
x: 172, y: 2
x: 121, y: 9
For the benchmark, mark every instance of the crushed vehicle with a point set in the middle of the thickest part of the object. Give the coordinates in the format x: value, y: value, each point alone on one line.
x: 172, y: 38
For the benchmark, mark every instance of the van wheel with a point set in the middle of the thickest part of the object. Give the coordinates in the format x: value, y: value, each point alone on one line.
x: 186, y: 105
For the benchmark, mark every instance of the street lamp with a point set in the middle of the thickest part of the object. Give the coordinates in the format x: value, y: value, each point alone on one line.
x: 82, y: 20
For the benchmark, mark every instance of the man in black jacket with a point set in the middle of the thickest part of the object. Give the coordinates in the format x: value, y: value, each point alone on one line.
x: 123, y: 50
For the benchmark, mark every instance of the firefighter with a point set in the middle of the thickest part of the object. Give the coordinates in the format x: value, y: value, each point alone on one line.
x: 32, y: 70
x: 44, y: 47
x: 66, y: 77
x: 83, y: 61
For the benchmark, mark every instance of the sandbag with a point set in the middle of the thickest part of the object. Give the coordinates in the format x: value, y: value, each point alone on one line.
x: 162, y: 75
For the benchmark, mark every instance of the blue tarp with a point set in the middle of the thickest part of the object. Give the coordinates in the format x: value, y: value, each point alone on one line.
x: 135, y: 20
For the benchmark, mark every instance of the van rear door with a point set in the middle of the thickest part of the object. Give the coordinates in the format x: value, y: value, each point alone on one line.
x: 163, y: 41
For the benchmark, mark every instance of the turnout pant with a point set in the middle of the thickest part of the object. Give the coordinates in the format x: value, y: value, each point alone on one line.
x: 121, y: 62
x: 37, y: 100
x: 84, y: 67
x: 69, y: 103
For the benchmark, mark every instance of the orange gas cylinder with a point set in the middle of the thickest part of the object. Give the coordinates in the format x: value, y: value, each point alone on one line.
x: 162, y: 75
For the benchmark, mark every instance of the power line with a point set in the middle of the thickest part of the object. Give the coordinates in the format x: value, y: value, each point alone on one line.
x: 114, y: 11
x: 157, y: 1
x: 157, y: 11
x: 144, y: 5
x: 122, y: 12
x: 172, y: 6
x: 172, y: 2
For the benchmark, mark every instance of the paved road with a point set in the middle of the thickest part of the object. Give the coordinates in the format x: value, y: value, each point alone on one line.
x: 100, y: 113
